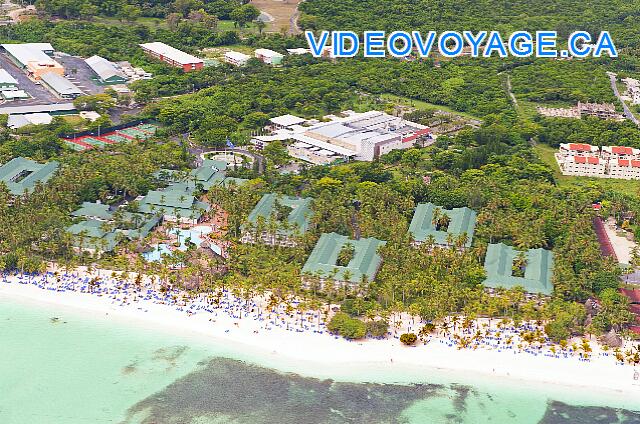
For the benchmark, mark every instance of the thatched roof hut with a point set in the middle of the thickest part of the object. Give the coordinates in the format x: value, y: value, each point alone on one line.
x: 611, y: 339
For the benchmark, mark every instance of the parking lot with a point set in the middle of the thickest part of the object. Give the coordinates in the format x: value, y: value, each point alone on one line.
x: 79, y: 73
x: 40, y: 95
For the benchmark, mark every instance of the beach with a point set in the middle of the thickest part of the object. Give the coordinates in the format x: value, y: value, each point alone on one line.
x: 285, y: 343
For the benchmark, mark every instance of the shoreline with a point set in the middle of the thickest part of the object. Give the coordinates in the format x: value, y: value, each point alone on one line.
x: 326, y: 356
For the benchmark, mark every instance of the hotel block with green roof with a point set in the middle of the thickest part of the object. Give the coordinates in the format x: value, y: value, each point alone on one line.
x: 500, y: 265
x: 175, y: 203
x: 91, y: 236
x: 461, y: 221
x: 21, y: 175
x: 323, y: 261
x: 295, y: 223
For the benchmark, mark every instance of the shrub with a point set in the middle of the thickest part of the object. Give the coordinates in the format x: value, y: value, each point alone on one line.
x: 347, y: 327
x: 408, y: 338
x: 377, y: 328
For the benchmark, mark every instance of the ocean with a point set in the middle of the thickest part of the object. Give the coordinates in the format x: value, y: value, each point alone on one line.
x: 61, y: 366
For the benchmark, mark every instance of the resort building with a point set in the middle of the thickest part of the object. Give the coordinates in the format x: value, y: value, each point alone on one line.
x: 269, y: 56
x: 590, y: 161
x: 209, y: 174
x: 21, y: 175
x: 442, y: 226
x: 236, y: 58
x: 581, y: 149
x: 626, y: 169
x: 95, y: 211
x: 508, y: 268
x: 34, y: 58
x: 586, y: 166
x: 92, y: 236
x: 620, y: 152
x: 172, y: 56
x: 102, y: 229
x: 107, y: 72
x: 291, y: 216
x: 60, y: 86
x: 361, y: 136
x: 342, y: 260
x: 174, y: 203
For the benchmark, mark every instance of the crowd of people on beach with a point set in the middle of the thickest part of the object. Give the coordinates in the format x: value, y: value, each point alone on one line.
x: 140, y: 293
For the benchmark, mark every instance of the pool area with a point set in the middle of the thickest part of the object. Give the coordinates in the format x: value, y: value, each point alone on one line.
x: 194, y: 235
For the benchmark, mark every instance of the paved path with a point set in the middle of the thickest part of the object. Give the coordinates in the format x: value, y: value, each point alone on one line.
x: 627, y: 112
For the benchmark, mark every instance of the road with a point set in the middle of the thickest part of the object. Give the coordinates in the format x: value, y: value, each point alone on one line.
x: 627, y: 112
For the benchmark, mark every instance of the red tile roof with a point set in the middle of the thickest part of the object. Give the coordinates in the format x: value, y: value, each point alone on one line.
x: 635, y: 163
x: 623, y: 162
x: 581, y: 147
x: 584, y: 159
x: 619, y: 150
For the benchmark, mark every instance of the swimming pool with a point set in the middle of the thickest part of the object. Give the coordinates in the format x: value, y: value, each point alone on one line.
x: 195, y: 235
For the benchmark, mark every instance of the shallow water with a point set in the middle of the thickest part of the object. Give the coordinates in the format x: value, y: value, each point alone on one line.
x: 63, y: 366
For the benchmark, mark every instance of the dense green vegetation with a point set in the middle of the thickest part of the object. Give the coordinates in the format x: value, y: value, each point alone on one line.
x: 565, y: 16
x: 492, y: 169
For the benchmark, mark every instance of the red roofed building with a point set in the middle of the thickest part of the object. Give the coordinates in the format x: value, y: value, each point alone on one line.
x: 572, y: 149
x: 627, y: 169
x: 586, y: 166
x: 620, y: 152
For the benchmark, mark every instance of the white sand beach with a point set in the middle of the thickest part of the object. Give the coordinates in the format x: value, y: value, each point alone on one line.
x: 298, y: 338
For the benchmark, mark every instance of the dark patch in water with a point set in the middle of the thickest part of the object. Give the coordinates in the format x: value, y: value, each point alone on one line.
x: 230, y: 391
x: 169, y: 355
x: 248, y: 394
x: 561, y: 413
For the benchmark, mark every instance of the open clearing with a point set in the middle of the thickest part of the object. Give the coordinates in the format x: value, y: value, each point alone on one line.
x: 283, y: 12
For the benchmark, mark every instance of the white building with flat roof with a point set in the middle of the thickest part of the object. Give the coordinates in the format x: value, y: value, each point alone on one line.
x: 107, y: 71
x: 286, y: 121
x: 236, y: 58
x: 60, y: 86
x: 269, y: 57
x: 585, y: 166
x: 7, y: 82
x: 627, y: 169
x: 361, y: 136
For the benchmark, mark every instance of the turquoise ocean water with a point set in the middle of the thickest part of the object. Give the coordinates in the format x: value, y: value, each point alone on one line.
x: 60, y: 366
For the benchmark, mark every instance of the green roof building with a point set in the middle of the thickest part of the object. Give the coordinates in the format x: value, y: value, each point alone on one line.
x: 210, y: 173
x: 365, y: 261
x: 94, y: 211
x: 91, y: 236
x: 21, y: 175
x: 538, y: 269
x: 462, y: 221
x: 175, y: 203
x: 297, y: 220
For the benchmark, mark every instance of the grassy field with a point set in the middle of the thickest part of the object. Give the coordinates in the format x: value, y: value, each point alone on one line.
x: 419, y: 104
x: 546, y: 154
x: 156, y: 23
